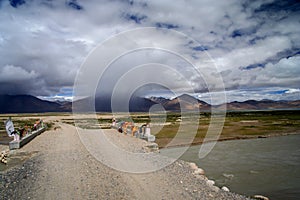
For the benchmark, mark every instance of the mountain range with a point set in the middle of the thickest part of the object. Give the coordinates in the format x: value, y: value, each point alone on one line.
x: 31, y: 104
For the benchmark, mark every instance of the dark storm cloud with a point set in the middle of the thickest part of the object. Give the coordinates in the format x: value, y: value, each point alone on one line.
x: 255, y: 44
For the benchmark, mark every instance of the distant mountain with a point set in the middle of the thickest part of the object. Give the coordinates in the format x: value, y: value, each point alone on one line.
x: 28, y: 104
x: 184, y: 102
x: 141, y: 104
x: 263, y: 105
x: 60, y: 102
x: 104, y: 104
x: 31, y: 104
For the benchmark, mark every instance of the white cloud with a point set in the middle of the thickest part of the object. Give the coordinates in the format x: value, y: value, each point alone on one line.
x: 47, y: 41
x: 10, y: 73
x: 291, y: 91
x: 258, y: 53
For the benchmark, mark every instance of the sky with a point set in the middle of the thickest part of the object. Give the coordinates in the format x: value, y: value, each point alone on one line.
x: 254, y: 46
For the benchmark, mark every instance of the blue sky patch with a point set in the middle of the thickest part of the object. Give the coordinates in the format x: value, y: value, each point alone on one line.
x: 236, y: 33
x: 16, y: 3
x: 278, y: 92
x: 136, y: 18
x: 275, y: 6
x: 73, y: 4
x: 253, y: 66
x: 200, y: 48
x: 166, y: 25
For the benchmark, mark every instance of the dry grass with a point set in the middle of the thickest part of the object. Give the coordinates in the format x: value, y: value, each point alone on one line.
x: 238, y: 125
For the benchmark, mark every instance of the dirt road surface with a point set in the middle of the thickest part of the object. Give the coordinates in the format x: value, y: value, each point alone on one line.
x: 61, y: 167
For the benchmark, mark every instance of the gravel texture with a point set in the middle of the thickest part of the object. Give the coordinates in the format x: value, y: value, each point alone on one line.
x: 58, y: 166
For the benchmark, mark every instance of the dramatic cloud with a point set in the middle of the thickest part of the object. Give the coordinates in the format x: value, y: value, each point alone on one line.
x: 254, y: 44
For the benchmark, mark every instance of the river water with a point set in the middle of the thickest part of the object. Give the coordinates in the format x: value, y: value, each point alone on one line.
x: 266, y: 166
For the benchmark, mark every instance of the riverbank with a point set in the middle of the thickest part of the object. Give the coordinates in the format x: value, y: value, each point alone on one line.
x: 228, y: 139
x: 237, y: 125
x: 60, y: 167
x: 269, y: 167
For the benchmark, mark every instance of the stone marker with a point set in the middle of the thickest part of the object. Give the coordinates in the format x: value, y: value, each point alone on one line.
x: 25, y: 140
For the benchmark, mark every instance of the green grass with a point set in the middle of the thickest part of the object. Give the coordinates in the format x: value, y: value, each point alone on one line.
x: 241, y: 125
x: 237, y: 124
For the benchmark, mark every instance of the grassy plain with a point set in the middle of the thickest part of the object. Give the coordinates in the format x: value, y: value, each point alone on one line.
x: 237, y: 125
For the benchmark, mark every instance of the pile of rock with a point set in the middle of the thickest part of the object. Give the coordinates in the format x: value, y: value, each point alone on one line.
x: 199, y: 173
x: 3, y: 157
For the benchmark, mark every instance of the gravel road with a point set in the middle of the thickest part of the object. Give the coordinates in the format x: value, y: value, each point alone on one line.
x: 61, y: 167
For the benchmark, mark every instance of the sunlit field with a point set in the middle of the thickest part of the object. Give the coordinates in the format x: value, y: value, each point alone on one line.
x: 238, y: 125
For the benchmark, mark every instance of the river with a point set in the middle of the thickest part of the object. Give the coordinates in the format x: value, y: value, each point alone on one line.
x: 266, y: 166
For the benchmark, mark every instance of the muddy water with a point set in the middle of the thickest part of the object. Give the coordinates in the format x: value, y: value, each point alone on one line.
x: 269, y: 166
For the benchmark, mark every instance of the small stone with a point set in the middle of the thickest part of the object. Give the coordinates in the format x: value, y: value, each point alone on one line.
x: 226, y: 189
x: 195, y: 191
x: 202, y: 177
x: 215, y: 188
x: 181, y: 182
x: 210, y: 182
x: 193, y: 166
x: 199, y: 171
x: 260, y: 197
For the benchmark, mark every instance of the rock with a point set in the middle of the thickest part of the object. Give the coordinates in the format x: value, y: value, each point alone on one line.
x: 201, y: 177
x: 3, y: 157
x: 210, y: 182
x: 215, y: 188
x: 199, y: 171
x: 260, y: 197
x: 226, y: 189
x: 152, y: 147
x: 193, y: 166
